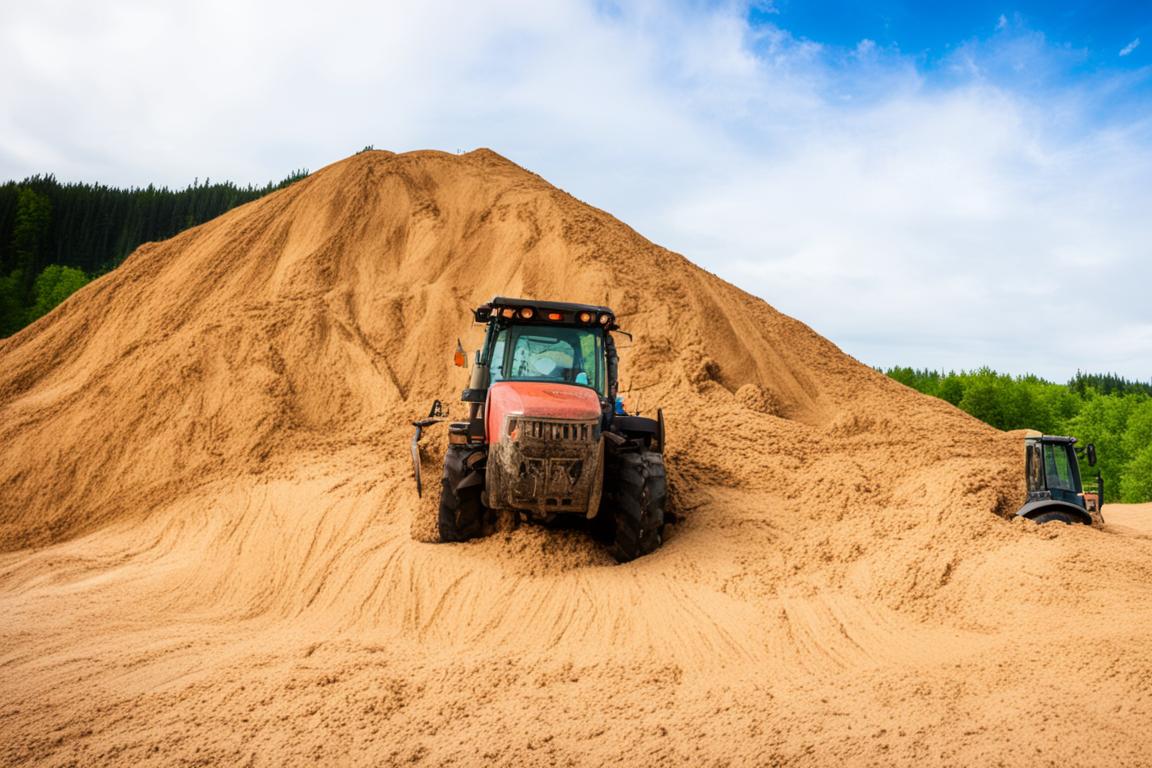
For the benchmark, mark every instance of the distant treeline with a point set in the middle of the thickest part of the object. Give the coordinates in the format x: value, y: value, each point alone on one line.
x: 56, y: 237
x: 1108, y: 410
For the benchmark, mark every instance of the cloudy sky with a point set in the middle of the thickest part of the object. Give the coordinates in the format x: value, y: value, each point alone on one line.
x: 937, y: 188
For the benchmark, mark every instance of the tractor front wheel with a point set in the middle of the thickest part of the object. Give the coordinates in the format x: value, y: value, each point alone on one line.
x: 462, y: 514
x: 638, y: 490
x: 1054, y: 517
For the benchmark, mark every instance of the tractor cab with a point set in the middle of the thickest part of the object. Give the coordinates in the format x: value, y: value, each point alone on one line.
x: 1055, y: 490
x: 548, y: 342
x: 559, y: 354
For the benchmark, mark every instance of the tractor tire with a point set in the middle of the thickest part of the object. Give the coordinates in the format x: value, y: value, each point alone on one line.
x: 638, y: 495
x: 462, y: 514
x: 1055, y: 517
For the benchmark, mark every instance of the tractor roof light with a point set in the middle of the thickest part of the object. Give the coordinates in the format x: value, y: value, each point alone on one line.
x: 555, y: 316
x: 507, y: 312
x: 604, y: 319
x: 584, y: 317
x: 527, y: 313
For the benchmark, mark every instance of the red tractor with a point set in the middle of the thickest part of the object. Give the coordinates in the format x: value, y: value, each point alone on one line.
x: 546, y: 435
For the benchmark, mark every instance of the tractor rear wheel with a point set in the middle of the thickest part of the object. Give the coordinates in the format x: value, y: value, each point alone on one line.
x: 462, y: 514
x: 638, y: 494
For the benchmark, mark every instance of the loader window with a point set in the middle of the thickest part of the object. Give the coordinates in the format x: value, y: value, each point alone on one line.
x: 1035, y: 469
x: 543, y: 353
x: 1058, y: 468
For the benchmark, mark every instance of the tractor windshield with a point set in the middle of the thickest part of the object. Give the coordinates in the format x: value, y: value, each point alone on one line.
x: 549, y: 353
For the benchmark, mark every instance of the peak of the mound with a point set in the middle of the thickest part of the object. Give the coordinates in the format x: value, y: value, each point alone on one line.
x: 325, y: 314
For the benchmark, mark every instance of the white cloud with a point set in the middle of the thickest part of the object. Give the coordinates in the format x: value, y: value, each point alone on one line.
x: 911, y: 222
x: 1130, y: 47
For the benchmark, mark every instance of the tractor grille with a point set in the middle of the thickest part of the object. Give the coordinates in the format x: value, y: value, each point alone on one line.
x: 546, y: 466
x: 559, y: 431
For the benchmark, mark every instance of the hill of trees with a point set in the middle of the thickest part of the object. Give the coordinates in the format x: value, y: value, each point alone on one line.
x: 1110, y: 411
x: 56, y: 237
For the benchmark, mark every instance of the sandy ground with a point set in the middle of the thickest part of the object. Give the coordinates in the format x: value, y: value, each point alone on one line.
x: 1129, y: 519
x: 207, y: 519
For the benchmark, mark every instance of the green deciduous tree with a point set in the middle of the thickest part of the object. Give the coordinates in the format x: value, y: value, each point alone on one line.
x: 1136, y: 481
x: 1136, y: 476
x: 52, y: 286
x: 985, y: 400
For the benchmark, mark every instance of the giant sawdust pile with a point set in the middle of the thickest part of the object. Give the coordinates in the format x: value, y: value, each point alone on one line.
x: 206, y: 505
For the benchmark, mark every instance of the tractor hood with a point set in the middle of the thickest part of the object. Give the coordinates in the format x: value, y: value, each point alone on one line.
x: 538, y: 399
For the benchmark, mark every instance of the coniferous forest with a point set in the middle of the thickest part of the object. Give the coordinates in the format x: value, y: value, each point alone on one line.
x: 56, y: 237
x: 1108, y: 410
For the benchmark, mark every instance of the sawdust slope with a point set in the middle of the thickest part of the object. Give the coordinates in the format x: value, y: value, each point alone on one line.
x: 206, y: 504
x: 310, y: 315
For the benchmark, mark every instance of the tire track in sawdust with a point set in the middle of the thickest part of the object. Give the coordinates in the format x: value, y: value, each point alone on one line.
x: 825, y: 634
x: 463, y: 598
x: 474, y: 595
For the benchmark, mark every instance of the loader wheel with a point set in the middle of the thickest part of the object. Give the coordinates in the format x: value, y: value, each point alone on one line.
x: 1054, y: 517
x: 639, y: 492
x: 462, y: 514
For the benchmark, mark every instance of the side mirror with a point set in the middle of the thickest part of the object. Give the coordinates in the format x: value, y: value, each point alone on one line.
x: 1091, y: 451
x: 460, y: 359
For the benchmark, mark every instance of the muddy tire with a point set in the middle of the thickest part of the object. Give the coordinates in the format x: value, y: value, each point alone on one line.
x: 638, y: 494
x: 462, y: 515
x: 1055, y: 517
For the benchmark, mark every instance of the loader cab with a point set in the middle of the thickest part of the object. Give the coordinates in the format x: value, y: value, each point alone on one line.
x: 1053, y: 471
x: 1055, y: 489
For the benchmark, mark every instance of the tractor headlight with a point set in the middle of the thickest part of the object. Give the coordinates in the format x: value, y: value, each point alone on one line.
x: 527, y: 313
x: 604, y: 319
x: 513, y: 428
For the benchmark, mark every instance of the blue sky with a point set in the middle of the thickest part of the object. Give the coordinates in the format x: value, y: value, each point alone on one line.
x: 940, y: 185
x: 1024, y: 45
x: 1097, y: 31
